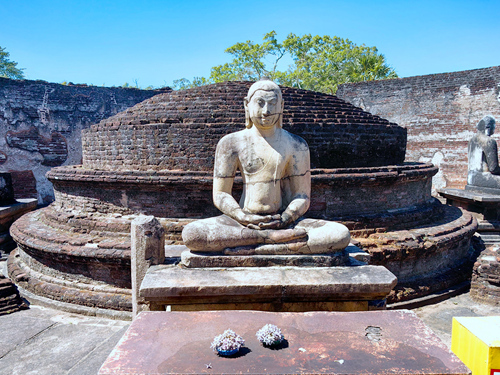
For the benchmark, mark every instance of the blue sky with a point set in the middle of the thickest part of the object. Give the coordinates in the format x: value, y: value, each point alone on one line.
x: 154, y: 42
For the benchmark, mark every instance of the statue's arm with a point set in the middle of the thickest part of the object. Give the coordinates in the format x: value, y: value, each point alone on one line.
x: 225, y: 165
x: 492, y: 157
x: 299, y: 184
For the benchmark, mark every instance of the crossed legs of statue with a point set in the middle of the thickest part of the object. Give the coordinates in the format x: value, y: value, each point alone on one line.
x: 483, y: 179
x: 221, y: 233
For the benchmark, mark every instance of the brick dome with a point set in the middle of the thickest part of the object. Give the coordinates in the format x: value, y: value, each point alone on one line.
x: 179, y: 131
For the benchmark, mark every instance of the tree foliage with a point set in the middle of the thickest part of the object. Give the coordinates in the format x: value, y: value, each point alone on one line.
x: 319, y: 63
x: 9, y: 68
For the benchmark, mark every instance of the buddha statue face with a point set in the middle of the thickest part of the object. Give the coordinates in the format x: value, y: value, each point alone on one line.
x: 489, y: 128
x: 263, y: 105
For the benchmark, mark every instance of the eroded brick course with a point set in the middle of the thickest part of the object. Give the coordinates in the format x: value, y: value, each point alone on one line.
x: 440, y: 112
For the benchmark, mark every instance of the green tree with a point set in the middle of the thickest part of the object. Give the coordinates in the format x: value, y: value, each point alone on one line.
x: 319, y: 63
x: 184, y: 83
x: 8, y: 68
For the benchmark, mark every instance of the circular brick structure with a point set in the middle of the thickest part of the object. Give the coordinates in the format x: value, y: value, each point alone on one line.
x: 156, y: 158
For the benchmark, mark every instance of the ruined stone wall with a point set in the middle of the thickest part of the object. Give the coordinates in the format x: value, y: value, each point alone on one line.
x: 440, y: 112
x: 41, y: 122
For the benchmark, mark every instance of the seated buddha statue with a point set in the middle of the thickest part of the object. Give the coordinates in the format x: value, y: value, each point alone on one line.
x: 275, y: 168
x: 484, y: 170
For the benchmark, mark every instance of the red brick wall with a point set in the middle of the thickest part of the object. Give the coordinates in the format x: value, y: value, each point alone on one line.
x: 180, y: 130
x: 24, y: 184
x: 440, y: 112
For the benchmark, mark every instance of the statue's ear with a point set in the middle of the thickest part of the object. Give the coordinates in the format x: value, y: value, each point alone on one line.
x: 248, y: 121
x: 280, y: 122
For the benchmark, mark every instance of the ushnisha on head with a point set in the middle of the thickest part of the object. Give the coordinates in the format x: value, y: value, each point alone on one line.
x: 264, y: 103
x: 487, y: 125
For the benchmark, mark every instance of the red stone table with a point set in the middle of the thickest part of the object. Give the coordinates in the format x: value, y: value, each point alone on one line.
x: 375, y: 342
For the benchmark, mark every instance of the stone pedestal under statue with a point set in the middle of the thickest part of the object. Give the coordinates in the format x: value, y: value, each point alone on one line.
x: 284, y: 283
x: 483, y: 204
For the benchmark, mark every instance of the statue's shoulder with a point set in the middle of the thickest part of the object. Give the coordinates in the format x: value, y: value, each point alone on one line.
x: 298, y: 142
x: 231, y: 139
x: 230, y: 143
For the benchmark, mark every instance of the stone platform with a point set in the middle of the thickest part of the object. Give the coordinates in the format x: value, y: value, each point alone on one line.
x: 267, y: 288
x: 483, y: 204
x: 8, y: 214
x: 377, y: 342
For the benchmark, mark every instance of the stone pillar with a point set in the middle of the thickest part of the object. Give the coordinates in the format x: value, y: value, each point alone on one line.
x: 148, y: 248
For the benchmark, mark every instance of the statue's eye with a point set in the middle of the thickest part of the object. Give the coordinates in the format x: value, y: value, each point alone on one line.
x: 260, y: 102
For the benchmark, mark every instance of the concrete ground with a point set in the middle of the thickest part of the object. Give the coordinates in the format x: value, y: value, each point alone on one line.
x: 46, y: 341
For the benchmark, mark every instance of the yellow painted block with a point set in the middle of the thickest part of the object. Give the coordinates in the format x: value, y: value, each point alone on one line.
x: 476, y: 341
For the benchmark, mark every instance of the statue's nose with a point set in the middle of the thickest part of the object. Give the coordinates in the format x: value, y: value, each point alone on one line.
x: 265, y: 109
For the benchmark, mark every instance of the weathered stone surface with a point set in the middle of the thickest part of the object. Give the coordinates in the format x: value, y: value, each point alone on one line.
x: 483, y: 204
x: 40, y: 124
x: 388, y: 197
x: 317, y: 342
x: 148, y: 248
x: 47, y: 342
x: 472, y: 195
x: 482, y: 190
x: 202, y: 260
x: 275, y: 168
x: 484, y: 170
x: 84, y: 237
x: 10, y: 301
x: 25, y: 184
x: 170, y: 285
x: 485, y: 285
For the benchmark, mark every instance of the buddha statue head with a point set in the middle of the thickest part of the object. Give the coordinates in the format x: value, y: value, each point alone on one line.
x: 264, y: 105
x: 486, y: 125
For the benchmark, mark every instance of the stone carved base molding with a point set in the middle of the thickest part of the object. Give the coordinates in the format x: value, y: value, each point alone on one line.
x: 58, y: 287
x: 86, y: 240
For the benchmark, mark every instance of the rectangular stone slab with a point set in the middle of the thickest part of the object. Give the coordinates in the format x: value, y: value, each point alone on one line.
x: 265, y: 284
x: 469, y: 196
x: 376, y: 342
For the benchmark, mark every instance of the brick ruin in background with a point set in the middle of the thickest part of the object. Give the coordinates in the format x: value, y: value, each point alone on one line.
x: 40, y: 126
x: 440, y: 112
x: 10, y: 210
x: 156, y: 158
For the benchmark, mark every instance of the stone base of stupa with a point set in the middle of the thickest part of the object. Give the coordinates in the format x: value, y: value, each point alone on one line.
x: 285, y: 283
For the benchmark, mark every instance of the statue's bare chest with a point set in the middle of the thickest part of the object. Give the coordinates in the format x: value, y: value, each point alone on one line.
x: 262, y: 161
